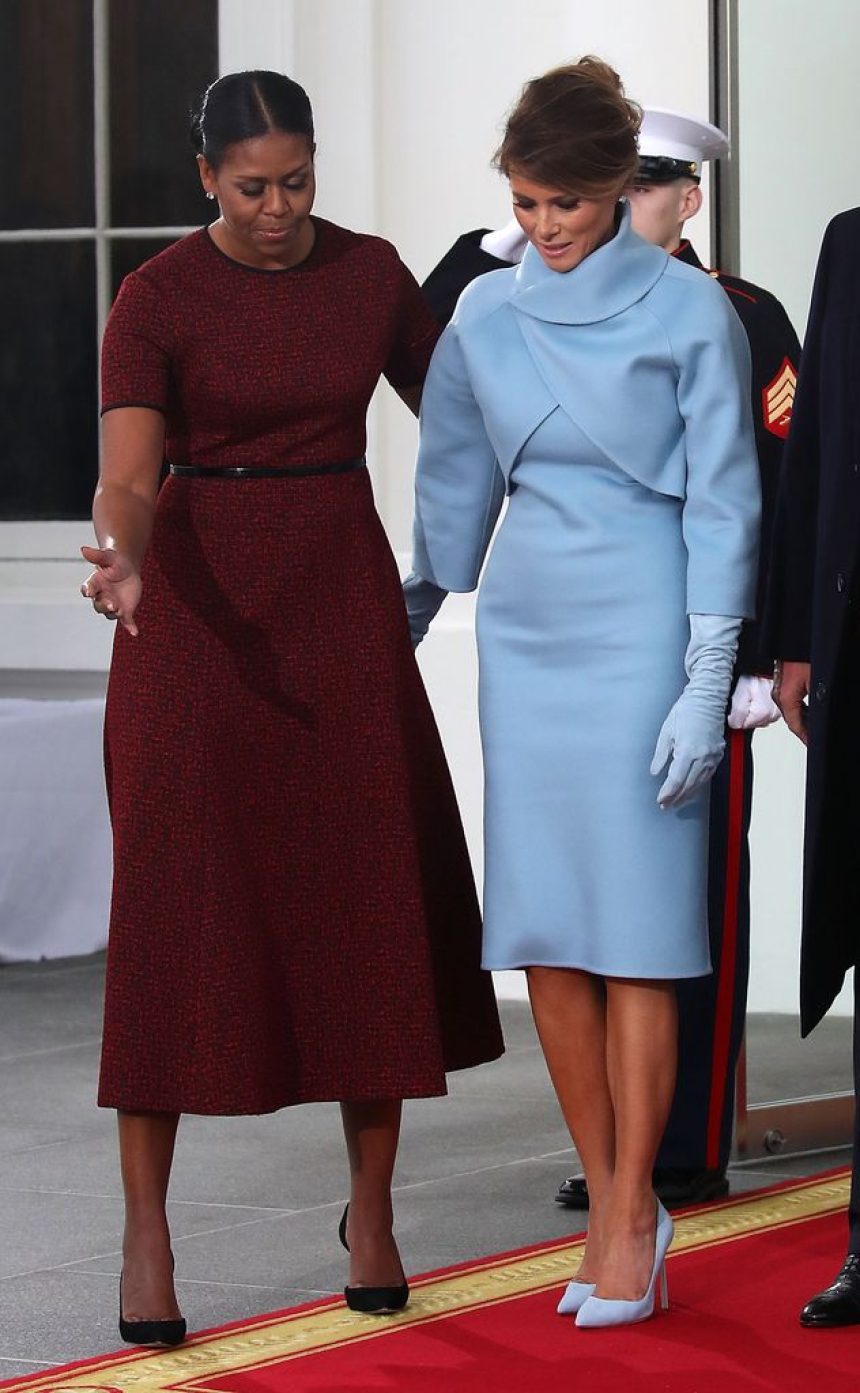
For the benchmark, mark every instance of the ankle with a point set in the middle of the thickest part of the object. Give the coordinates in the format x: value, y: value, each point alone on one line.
x: 150, y: 1236
x: 634, y: 1206
x: 371, y: 1213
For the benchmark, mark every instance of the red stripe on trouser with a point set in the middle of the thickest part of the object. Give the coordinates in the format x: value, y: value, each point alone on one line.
x: 724, y: 1010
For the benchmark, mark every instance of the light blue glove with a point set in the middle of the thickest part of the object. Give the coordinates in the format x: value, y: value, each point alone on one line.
x: 692, y: 736
x: 423, y: 602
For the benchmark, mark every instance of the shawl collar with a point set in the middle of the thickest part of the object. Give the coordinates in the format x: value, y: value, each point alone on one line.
x: 607, y: 282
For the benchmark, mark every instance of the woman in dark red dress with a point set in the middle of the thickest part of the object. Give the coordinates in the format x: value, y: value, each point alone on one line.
x: 293, y: 915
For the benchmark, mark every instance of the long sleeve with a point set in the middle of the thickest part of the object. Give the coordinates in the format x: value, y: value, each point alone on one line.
x: 722, y: 505
x: 788, y: 611
x: 459, y: 488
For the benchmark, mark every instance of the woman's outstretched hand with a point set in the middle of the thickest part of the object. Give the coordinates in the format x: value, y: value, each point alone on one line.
x: 114, y: 586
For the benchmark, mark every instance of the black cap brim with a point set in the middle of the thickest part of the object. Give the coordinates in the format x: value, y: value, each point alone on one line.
x: 662, y: 169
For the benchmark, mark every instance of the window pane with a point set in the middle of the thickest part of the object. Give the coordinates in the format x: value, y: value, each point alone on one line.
x: 162, y: 56
x: 46, y: 113
x: 48, y: 388
x: 127, y: 253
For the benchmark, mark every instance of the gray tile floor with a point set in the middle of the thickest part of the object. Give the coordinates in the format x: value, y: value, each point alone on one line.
x: 255, y: 1201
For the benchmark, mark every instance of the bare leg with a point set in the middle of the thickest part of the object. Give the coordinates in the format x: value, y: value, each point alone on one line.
x: 570, y: 1014
x: 146, y: 1142
x: 642, y: 1047
x: 372, y: 1131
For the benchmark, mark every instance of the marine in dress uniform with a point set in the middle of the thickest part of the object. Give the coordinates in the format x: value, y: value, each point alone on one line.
x: 692, y: 1163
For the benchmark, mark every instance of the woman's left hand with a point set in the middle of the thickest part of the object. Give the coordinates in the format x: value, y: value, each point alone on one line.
x: 692, y: 737
x: 691, y: 742
x: 423, y: 600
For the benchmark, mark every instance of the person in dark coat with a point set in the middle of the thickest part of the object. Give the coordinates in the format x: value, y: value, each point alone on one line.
x: 811, y: 625
x: 694, y: 1155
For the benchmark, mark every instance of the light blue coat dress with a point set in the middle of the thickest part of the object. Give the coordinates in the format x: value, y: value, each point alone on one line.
x: 611, y: 404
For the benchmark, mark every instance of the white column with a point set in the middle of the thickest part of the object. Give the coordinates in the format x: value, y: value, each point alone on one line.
x: 329, y: 46
x: 336, y: 60
x: 256, y: 34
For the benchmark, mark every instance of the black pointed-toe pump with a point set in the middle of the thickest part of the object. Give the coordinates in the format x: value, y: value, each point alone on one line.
x: 158, y: 1333
x: 372, y: 1301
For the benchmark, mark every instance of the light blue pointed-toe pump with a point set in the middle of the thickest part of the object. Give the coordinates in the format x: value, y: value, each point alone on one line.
x: 597, y: 1311
x: 574, y: 1297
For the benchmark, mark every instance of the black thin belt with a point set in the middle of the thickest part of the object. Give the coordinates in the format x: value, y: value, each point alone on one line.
x: 253, y: 471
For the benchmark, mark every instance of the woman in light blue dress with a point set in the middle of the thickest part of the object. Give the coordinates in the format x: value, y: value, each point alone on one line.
x: 603, y: 387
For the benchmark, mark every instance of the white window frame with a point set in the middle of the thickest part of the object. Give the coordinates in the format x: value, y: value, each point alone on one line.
x: 101, y: 234
x: 40, y: 559
x: 43, y: 622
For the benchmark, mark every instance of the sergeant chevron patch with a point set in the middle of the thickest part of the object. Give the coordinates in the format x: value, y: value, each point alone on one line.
x: 777, y: 399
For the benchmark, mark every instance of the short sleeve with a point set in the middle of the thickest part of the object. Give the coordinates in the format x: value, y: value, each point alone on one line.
x: 135, y: 357
x: 417, y: 332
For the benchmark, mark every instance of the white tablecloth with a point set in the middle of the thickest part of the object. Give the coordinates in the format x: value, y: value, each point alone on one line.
x: 55, y: 850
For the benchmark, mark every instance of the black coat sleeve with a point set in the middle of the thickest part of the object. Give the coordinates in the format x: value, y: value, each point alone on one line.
x: 787, y: 626
x: 460, y: 265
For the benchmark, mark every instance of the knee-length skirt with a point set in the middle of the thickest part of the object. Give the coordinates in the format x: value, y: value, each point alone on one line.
x: 582, y: 630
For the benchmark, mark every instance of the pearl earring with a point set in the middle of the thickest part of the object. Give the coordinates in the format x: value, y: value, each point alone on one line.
x: 210, y: 195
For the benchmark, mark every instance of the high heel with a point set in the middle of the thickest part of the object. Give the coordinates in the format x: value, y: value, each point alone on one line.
x: 372, y: 1301
x: 574, y: 1298
x: 150, y: 1332
x: 575, y: 1294
x: 598, y: 1311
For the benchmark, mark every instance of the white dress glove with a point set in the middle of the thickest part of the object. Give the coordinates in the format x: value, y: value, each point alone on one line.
x: 423, y: 600
x: 691, y: 740
x: 753, y: 705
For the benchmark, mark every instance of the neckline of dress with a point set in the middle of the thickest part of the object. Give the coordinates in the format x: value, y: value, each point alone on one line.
x: 266, y: 270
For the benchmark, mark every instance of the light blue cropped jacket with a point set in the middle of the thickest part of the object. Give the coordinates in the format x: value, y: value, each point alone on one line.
x: 648, y: 358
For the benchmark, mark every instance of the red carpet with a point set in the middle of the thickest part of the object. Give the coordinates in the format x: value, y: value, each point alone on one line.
x: 739, y: 1272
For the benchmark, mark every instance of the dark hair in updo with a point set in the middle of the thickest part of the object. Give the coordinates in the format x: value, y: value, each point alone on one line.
x: 242, y: 106
x: 573, y: 129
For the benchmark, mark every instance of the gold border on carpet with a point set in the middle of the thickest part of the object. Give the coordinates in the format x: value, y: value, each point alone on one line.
x: 274, y: 1339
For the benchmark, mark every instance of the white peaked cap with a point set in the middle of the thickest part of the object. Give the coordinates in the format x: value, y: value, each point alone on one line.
x: 676, y: 136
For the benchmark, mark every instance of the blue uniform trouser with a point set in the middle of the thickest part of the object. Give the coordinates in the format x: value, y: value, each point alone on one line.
x: 712, y: 1009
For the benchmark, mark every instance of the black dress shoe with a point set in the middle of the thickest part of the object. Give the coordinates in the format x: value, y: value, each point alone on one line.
x: 674, y: 1188
x: 573, y: 1193
x: 372, y: 1301
x: 838, y: 1304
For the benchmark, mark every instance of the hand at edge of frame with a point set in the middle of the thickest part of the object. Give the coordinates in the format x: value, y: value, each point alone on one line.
x: 790, y: 689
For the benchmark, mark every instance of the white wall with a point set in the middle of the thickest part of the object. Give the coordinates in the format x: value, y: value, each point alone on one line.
x: 798, y: 153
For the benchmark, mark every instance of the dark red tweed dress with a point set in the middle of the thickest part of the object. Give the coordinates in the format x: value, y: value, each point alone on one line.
x: 293, y: 912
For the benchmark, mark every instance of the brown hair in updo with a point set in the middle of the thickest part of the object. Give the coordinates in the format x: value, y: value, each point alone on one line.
x: 573, y: 129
